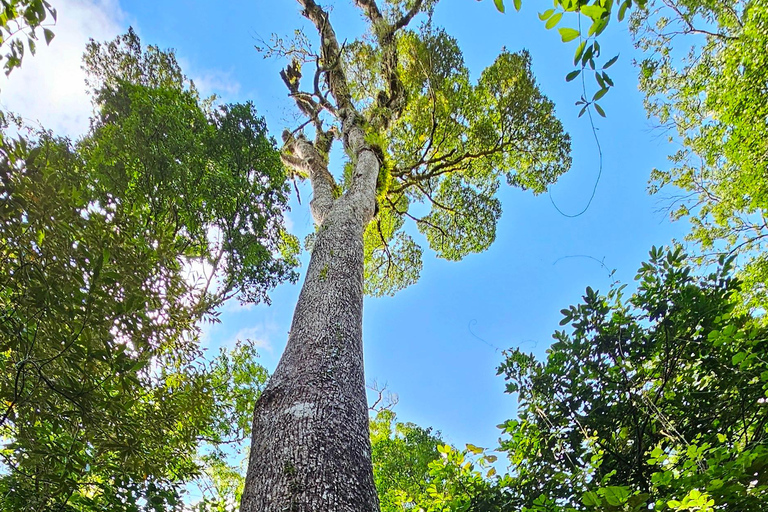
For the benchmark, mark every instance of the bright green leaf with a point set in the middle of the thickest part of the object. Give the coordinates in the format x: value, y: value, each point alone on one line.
x: 554, y: 20
x: 568, y: 34
x: 546, y: 14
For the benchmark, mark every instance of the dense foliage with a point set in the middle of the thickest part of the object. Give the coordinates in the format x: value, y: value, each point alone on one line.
x: 658, y: 398
x: 415, y: 470
x: 112, y: 251
x: 708, y: 89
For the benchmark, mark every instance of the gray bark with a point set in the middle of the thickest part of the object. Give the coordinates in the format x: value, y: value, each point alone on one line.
x: 310, y: 448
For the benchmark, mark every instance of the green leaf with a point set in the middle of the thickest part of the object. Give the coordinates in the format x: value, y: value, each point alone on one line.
x: 603, y: 25
x: 599, y: 94
x: 715, y: 484
x: 616, y: 495
x: 546, y: 14
x: 474, y: 449
x: 573, y: 74
x: 568, y: 34
x: 554, y: 20
x: 599, y: 110
x: 623, y: 10
x: 499, y: 5
x: 594, y: 11
x: 49, y: 35
x: 587, y: 57
x: 579, y: 51
x: 591, y: 499
x: 518, y: 4
x: 610, y: 62
x: 597, y: 27
x: 600, y: 80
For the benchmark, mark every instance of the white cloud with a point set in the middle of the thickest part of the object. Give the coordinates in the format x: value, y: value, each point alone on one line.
x: 254, y: 334
x: 220, y: 83
x: 49, y: 87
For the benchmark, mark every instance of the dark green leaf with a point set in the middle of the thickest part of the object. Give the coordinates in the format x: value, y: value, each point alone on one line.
x: 599, y: 94
x: 573, y: 74
x: 599, y: 110
x: 610, y: 62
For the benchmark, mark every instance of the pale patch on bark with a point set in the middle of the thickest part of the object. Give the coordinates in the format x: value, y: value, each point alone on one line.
x: 302, y: 410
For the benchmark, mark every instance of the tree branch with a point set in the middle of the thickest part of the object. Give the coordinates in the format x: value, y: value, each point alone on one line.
x: 304, y: 158
x: 330, y: 53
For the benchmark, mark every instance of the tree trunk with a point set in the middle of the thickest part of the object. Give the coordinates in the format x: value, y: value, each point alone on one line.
x: 310, y: 448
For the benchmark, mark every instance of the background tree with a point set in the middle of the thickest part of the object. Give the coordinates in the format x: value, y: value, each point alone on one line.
x: 414, y: 129
x: 709, y: 91
x: 659, y: 398
x: 113, y: 250
x: 414, y: 469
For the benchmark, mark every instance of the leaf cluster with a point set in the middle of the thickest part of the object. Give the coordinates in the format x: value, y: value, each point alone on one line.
x: 596, y: 15
x: 20, y: 24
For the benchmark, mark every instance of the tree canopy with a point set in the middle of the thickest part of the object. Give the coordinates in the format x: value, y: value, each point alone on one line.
x: 114, y: 249
x: 709, y: 92
x: 442, y: 140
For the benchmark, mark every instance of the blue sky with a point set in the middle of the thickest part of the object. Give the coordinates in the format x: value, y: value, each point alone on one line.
x: 435, y: 344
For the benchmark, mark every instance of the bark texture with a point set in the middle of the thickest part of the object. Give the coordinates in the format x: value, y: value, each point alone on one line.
x: 310, y: 446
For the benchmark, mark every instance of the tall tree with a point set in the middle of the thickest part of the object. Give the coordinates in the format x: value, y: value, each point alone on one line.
x: 103, y: 396
x: 414, y: 129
